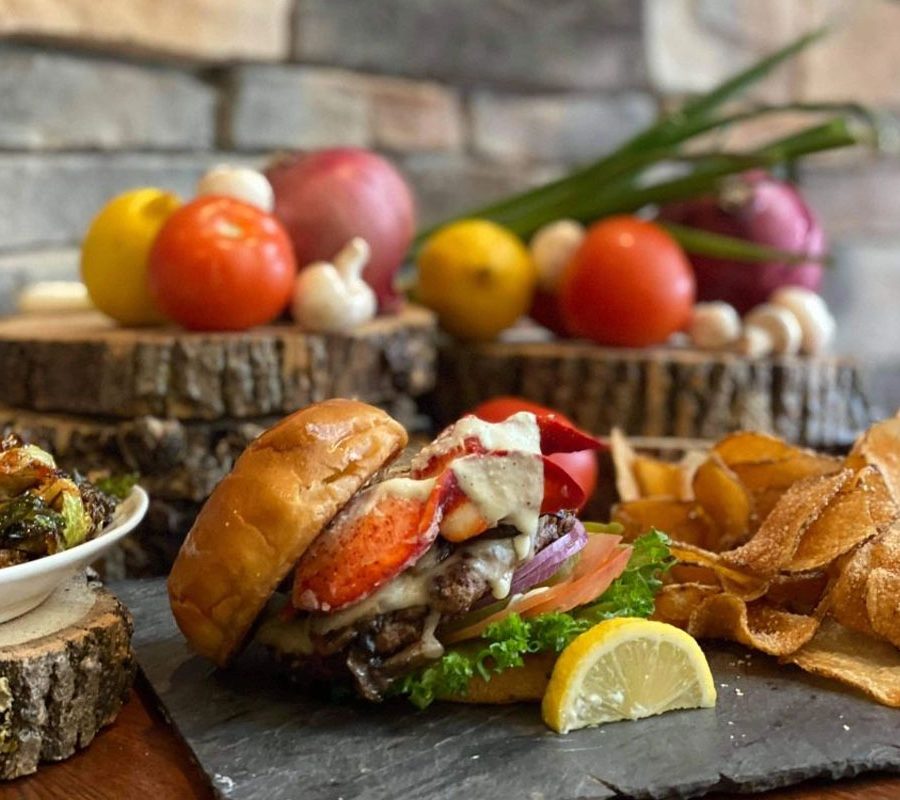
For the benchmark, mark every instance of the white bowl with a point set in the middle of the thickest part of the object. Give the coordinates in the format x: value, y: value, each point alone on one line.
x: 25, y: 586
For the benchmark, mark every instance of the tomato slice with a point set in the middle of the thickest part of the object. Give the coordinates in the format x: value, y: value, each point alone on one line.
x: 368, y: 543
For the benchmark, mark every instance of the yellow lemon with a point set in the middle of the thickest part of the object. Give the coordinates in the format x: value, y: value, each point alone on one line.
x: 115, y: 250
x: 477, y: 276
x: 626, y: 669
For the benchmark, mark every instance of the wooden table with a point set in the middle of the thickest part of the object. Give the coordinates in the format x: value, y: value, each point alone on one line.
x: 141, y: 756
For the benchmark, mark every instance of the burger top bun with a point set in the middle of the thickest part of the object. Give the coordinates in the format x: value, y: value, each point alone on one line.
x: 284, y: 489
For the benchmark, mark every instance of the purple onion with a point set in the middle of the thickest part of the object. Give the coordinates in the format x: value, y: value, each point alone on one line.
x: 760, y: 209
x: 544, y: 565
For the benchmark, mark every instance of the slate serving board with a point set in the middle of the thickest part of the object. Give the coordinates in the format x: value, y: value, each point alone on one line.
x: 260, y: 739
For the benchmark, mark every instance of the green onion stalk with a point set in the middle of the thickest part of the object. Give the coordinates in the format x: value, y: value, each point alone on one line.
x: 623, y: 182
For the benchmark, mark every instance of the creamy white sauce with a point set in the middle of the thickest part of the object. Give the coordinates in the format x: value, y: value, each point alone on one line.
x: 407, y: 488
x: 507, y: 488
x: 495, y: 560
x: 431, y: 647
x: 519, y: 432
x: 524, y: 544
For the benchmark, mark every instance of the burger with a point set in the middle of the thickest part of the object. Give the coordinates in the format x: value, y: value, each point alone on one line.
x: 458, y: 576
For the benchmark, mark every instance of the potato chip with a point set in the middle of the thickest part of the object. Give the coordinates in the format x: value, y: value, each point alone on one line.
x: 883, y: 602
x: 767, y: 466
x: 746, y: 447
x: 776, y: 541
x: 852, y: 658
x: 785, y: 550
x: 800, y: 593
x: 681, y: 520
x: 766, y: 481
x: 676, y: 602
x: 740, y: 584
x: 689, y: 573
x: 657, y: 478
x: 880, y: 446
x: 757, y: 625
x: 866, y: 594
x: 751, y: 447
x: 845, y: 599
x: 623, y: 456
x: 855, y: 514
x: 726, y: 502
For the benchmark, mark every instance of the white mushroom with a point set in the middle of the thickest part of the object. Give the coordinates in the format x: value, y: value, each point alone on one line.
x: 242, y: 183
x: 333, y: 297
x: 812, y: 313
x: 714, y: 325
x: 781, y: 325
x: 754, y: 342
x: 552, y: 247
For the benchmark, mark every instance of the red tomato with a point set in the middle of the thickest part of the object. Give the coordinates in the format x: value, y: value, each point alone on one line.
x: 582, y: 466
x: 221, y: 264
x: 628, y: 284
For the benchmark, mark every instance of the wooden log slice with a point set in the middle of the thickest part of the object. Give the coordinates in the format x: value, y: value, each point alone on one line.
x: 85, y: 364
x: 660, y: 391
x: 65, y: 670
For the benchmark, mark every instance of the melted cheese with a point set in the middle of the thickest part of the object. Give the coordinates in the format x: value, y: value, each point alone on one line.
x: 507, y: 488
x: 289, y: 636
x: 408, y: 589
x: 494, y: 559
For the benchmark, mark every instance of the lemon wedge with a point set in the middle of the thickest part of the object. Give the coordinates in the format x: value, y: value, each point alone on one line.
x: 626, y: 669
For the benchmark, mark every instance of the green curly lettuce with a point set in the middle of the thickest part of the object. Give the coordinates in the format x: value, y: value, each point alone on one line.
x: 504, y: 644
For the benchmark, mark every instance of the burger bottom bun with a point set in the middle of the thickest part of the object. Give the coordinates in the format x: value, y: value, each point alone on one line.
x: 517, y: 685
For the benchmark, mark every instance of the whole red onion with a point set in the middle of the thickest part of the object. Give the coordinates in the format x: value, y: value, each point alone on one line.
x: 761, y: 209
x: 325, y: 198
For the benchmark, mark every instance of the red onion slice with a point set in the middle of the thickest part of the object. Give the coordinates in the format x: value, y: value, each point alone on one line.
x: 548, y: 560
x: 543, y: 566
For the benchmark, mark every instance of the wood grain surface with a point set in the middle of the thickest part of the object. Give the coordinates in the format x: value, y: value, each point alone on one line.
x: 137, y: 757
x: 85, y: 364
x: 141, y: 756
x: 67, y: 667
x: 660, y: 391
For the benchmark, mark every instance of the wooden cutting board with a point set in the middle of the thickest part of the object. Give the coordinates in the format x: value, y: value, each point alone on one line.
x: 257, y: 738
x: 85, y: 364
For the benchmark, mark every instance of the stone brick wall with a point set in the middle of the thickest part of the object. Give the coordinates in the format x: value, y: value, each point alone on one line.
x: 472, y: 99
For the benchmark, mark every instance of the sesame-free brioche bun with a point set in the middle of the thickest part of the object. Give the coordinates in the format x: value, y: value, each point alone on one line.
x: 525, y: 684
x: 284, y: 489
